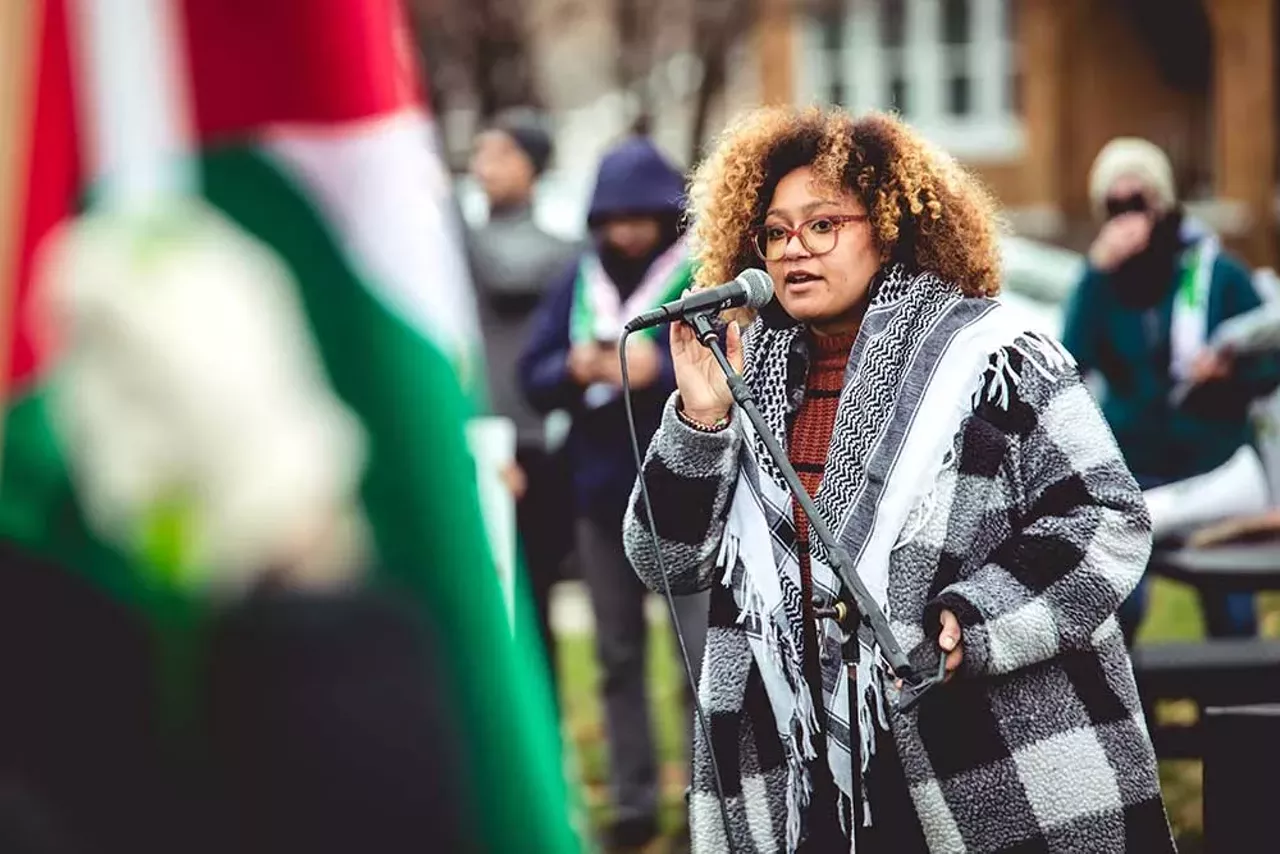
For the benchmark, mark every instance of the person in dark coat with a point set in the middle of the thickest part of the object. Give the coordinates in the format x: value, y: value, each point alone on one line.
x: 637, y: 261
x: 1156, y: 289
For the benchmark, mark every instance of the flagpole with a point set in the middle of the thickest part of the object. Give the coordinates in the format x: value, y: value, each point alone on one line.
x: 134, y: 105
x: 18, y: 35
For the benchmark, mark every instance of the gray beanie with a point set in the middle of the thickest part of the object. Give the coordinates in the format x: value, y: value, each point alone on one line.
x: 529, y: 135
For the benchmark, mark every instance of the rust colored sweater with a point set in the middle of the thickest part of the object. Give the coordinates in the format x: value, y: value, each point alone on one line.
x: 809, y: 440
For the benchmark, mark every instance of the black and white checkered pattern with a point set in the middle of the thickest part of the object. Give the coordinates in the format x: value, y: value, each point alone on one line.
x: 1033, y: 535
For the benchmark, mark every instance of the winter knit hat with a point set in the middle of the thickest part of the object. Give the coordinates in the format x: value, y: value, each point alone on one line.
x: 1129, y: 155
x: 531, y: 138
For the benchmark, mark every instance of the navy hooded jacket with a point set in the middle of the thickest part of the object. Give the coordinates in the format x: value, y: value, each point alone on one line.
x: 634, y: 179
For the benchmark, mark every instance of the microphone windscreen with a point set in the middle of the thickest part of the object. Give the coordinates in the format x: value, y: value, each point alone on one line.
x: 758, y: 285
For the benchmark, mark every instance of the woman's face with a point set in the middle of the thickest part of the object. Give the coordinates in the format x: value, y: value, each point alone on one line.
x: 631, y: 236
x: 828, y: 291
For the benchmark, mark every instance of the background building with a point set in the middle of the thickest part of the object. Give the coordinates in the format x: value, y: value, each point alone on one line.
x: 1027, y: 91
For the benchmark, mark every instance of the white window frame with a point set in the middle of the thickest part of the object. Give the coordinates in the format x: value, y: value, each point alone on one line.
x: 991, y: 132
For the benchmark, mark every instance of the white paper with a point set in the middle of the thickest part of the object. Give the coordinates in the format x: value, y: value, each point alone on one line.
x: 493, y: 444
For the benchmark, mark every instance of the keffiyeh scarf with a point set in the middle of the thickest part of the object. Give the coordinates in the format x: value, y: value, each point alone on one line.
x: 598, y: 313
x: 915, y: 367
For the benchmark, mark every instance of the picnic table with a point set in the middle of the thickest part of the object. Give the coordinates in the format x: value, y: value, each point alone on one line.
x: 1213, y: 671
x: 1230, y: 568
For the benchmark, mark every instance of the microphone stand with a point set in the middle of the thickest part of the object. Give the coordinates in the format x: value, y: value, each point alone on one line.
x: 854, y: 607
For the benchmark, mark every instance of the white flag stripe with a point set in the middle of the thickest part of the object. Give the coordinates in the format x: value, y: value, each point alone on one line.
x: 132, y: 77
x: 383, y: 188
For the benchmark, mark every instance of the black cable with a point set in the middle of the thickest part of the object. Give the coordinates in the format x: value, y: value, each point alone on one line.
x: 666, y: 589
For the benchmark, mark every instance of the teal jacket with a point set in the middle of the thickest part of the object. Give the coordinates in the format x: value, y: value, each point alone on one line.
x: 1130, y: 348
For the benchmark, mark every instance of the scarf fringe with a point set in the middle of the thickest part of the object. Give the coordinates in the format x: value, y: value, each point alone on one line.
x: 921, y: 513
x: 843, y: 806
x: 871, y: 711
x: 727, y: 559
x: 800, y: 749
x: 799, y: 788
x: 798, y: 740
x: 806, y: 720
x: 1043, y: 354
x: 802, y: 719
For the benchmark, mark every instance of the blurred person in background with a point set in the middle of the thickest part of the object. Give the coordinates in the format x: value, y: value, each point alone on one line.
x: 638, y: 261
x: 1156, y: 287
x: 512, y: 261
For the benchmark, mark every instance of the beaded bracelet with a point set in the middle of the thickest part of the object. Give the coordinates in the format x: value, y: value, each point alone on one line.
x: 719, y: 424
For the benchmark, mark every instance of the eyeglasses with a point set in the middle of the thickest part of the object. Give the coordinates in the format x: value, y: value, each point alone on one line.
x: 1133, y: 203
x: 817, y: 236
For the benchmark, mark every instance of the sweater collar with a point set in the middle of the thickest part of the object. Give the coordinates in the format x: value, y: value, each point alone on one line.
x: 830, y: 346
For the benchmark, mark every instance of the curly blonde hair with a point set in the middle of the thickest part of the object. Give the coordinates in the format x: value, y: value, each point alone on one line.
x: 925, y: 210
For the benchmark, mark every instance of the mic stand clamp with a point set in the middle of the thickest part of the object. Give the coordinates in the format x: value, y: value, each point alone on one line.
x: 854, y: 607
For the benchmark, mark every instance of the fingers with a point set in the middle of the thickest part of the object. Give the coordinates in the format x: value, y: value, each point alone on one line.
x: 1202, y: 368
x: 954, y: 659
x: 681, y: 336
x: 949, y: 637
x: 733, y: 346
x: 1210, y: 365
x: 1132, y: 223
x: 1219, y: 367
x: 1135, y: 232
x: 1120, y: 238
x: 949, y: 641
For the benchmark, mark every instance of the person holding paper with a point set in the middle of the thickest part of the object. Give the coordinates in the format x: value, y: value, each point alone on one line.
x: 1156, y: 289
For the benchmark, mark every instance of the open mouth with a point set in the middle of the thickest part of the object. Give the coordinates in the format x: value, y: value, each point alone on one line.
x: 797, y: 277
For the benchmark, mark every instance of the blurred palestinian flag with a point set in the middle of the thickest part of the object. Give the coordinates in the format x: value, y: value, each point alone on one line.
x: 311, y: 135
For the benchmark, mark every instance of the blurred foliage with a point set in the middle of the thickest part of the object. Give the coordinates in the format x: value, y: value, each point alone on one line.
x: 476, y: 50
x: 483, y: 56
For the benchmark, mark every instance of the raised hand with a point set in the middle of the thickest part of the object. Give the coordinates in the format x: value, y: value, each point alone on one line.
x: 704, y: 393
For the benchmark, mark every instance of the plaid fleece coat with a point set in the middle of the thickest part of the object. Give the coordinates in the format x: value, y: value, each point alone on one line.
x: 1035, y: 534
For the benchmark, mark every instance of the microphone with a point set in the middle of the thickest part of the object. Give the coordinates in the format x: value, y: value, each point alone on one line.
x: 752, y: 289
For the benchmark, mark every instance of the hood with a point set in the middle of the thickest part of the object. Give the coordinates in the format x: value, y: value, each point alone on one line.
x: 635, y: 178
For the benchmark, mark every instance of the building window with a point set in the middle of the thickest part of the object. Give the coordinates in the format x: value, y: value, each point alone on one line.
x: 957, y: 46
x: 948, y: 66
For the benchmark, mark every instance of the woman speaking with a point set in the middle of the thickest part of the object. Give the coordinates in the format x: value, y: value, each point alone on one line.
x: 962, y: 464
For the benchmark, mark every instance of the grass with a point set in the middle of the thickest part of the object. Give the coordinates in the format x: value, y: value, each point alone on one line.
x: 1173, y: 614
x: 579, y: 696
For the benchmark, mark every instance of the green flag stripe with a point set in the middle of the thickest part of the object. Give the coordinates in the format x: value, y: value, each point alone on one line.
x: 421, y: 499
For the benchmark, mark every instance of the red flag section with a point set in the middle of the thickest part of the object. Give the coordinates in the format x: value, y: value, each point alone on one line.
x: 255, y: 62
x: 252, y: 63
x: 52, y: 180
